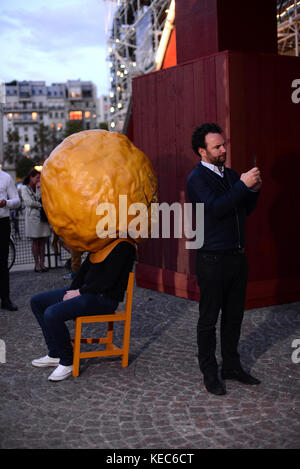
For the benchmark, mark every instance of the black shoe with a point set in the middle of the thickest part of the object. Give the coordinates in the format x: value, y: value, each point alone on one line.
x: 214, y: 385
x: 239, y: 375
x: 7, y: 304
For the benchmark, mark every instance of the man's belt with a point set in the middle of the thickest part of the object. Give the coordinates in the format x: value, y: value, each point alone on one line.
x: 225, y: 252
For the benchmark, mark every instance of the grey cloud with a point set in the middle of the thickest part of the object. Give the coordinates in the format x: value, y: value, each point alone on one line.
x: 48, y: 29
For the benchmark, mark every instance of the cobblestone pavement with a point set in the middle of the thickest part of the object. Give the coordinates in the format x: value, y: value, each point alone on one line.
x: 158, y: 401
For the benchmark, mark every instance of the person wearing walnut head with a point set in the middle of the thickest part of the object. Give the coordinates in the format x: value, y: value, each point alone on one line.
x: 221, y: 262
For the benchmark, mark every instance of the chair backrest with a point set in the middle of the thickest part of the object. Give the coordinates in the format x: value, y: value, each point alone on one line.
x: 129, y: 292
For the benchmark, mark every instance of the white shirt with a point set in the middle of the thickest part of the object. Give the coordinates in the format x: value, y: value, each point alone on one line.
x: 9, y: 193
x: 216, y: 169
x: 220, y: 171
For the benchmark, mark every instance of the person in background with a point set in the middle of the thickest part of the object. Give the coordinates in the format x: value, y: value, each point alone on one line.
x: 35, y: 228
x: 9, y: 200
x: 75, y: 263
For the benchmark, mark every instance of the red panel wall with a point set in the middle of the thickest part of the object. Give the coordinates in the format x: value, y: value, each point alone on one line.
x: 249, y: 95
x: 166, y: 107
x: 264, y: 121
x: 205, y: 27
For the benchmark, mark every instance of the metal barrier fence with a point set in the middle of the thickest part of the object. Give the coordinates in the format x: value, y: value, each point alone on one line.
x: 24, y: 247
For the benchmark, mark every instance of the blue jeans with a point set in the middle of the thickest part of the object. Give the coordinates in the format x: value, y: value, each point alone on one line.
x: 52, y: 312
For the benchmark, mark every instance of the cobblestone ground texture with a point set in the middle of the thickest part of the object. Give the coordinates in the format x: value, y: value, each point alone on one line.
x: 159, y: 400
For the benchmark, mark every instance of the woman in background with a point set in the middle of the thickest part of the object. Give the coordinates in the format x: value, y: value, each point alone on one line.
x: 35, y: 229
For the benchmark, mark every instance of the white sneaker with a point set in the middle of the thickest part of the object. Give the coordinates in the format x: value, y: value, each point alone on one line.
x: 45, y: 361
x: 61, y: 372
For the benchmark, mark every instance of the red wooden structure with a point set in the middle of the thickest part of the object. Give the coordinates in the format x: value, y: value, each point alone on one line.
x: 247, y: 90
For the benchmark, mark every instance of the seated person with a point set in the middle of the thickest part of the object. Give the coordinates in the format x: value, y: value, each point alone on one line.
x: 97, y: 288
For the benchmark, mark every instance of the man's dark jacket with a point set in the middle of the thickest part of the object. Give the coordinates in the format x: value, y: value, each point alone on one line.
x: 227, y: 203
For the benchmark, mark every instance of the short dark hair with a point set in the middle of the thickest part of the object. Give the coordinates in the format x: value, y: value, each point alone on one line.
x: 32, y: 173
x: 199, y: 134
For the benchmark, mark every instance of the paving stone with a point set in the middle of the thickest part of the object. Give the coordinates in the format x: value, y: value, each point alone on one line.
x: 159, y: 400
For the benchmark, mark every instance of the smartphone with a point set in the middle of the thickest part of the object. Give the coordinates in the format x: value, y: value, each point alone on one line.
x: 254, y: 161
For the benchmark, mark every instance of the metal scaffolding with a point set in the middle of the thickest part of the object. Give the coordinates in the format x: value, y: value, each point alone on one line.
x: 133, y: 43
x: 288, y: 18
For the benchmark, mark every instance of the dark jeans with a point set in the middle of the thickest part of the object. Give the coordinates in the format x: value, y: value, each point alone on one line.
x: 52, y: 313
x: 222, y: 279
x: 4, y: 249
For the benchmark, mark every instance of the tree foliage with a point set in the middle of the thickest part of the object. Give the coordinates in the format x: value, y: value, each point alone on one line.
x: 12, y: 148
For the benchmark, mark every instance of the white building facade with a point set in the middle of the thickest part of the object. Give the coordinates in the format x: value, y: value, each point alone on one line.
x: 29, y: 103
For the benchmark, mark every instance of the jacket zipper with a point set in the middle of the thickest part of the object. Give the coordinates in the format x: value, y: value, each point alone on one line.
x: 238, y: 228
x: 236, y: 213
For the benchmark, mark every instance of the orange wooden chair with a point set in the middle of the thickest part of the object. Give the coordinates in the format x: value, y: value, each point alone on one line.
x: 110, y: 348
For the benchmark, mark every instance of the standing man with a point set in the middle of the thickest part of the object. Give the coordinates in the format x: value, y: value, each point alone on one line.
x: 9, y: 199
x: 221, y: 262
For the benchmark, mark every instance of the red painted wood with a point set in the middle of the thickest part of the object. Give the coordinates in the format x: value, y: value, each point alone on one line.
x: 166, y: 135
x: 259, y: 294
x: 196, y: 29
x: 205, y: 27
x: 250, y: 96
x: 269, y: 128
x: 248, y: 26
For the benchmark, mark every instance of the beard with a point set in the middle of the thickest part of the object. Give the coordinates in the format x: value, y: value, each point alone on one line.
x: 216, y: 160
x: 221, y: 160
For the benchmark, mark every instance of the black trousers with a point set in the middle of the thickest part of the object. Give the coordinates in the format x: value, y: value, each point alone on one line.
x: 222, y: 279
x: 4, y: 248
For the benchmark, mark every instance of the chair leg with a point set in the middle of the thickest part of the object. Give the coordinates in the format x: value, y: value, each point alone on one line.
x: 109, y: 336
x: 76, y: 348
x: 126, y: 340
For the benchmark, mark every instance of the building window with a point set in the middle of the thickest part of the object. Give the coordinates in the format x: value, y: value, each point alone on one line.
x: 87, y: 114
x: 75, y: 115
x: 34, y: 116
x: 26, y: 147
x: 9, y: 116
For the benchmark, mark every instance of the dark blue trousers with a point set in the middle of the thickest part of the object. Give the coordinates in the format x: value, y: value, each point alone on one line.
x: 223, y: 281
x: 52, y: 312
